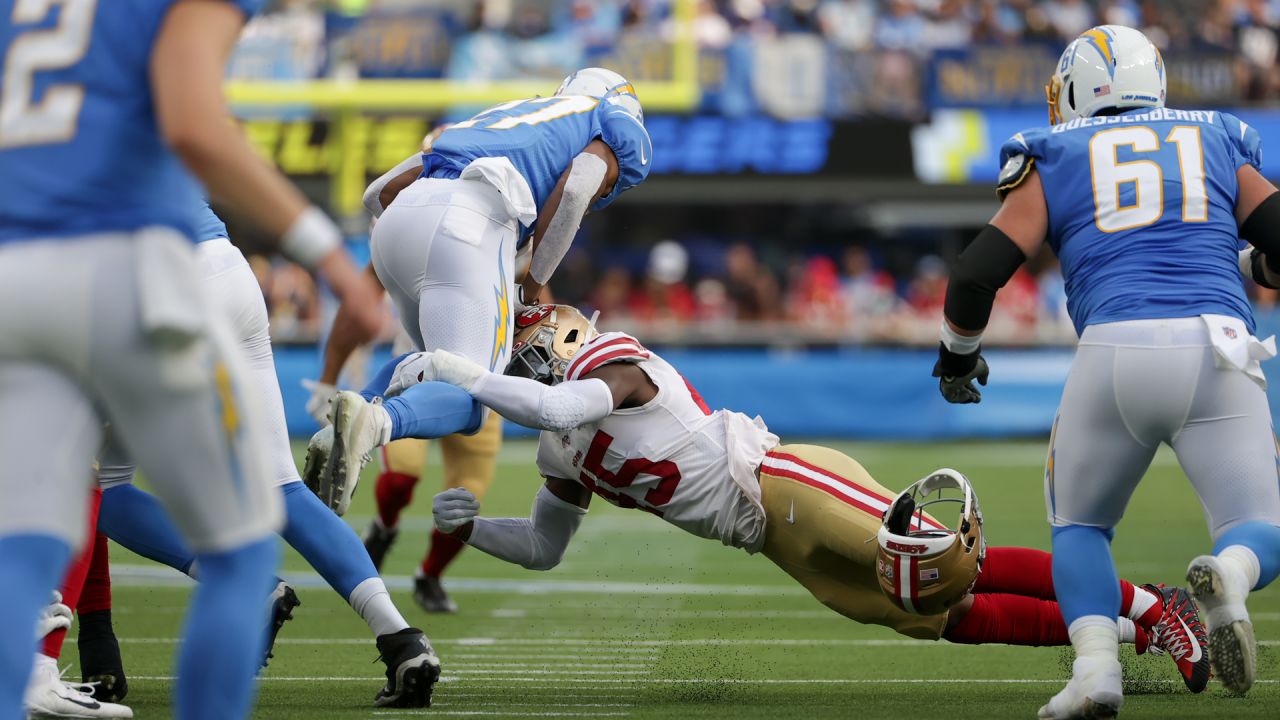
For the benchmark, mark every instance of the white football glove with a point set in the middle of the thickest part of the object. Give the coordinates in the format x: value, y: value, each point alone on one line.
x: 55, y: 616
x: 438, y: 365
x: 454, y: 508
x: 318, y: 403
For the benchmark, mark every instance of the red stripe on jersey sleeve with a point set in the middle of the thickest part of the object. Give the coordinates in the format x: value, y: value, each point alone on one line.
x: 614, y: 348
x: 697, y: 397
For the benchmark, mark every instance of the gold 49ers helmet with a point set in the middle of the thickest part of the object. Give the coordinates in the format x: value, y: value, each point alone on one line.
x: 924, y: 567
x: 547, y: 337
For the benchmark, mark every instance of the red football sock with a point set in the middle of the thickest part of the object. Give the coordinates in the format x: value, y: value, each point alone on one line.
x: 1148, y: 617
x: 1012, y: 620
x: 393, y: 492
x: 97, y: 587
x: 73, y: 583
x: 443, y: 549
x: 1019, y: 571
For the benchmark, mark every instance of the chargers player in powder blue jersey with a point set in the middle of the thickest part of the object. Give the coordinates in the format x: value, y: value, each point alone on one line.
x: 449, y: 223
x: 1145, y: 206
x: 103, y: 105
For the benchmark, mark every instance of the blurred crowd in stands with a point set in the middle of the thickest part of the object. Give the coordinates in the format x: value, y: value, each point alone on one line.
x: 865, y: 43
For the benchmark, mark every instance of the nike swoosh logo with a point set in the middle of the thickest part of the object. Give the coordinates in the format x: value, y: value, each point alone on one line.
x: 1195, y: 643
x: 791, y: 519
x: 90, y: 705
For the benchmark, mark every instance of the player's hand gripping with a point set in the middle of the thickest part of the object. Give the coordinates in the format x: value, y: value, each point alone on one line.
x: 354, y: 289
x: 956, y: 374
x: 54, y: 616
x: 437, y: 365
x: 454, y: 508
x: 318, y: 403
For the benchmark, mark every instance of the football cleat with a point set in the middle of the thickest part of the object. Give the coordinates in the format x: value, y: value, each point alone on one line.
x: 1093, y: 693
x: 1182, y: 636
x: 1233, y: 651
x: 412, y: 669
x: 282, y: 602
x: 377, y: 541
x: 100, y: 663
x: 431, y: 597
x: 317, y: 457
x: 48, y: 696
x: 359, y: 427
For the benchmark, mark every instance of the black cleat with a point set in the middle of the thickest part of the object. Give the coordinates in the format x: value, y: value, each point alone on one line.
x: 412, y: 669
x: 377, y: 541
x: 100, y: 664
x: 283, y: 601
x: 431, y: 597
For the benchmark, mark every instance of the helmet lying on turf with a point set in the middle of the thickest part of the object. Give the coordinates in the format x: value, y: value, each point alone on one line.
x: 922, y: 566
x: 547, y: 337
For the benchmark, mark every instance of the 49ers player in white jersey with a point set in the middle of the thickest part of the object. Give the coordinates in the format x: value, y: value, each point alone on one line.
x: 620, y: 422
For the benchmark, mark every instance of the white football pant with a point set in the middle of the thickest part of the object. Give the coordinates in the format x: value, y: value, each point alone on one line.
x: 233, y: 293
x: 445, y: 250
x: 1135, y: 385
x: 114, y: 328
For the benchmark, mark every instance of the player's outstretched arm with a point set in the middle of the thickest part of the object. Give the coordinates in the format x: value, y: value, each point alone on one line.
x: 563, y: 406
x: 1258, y: 215
x: 537, y: 542
x: 589, y: 177
x: 187, y: 65
x: 1015, y: 234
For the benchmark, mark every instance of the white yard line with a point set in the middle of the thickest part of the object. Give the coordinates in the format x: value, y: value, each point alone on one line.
x: 453, y: 664
x: 703, y: 681
x: 528, y: 670
x: 602, y: 648
x: 503, y: 713
x: 155, y: 575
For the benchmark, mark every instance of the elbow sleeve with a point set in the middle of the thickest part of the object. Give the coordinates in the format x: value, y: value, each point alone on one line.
x: 586, y: 175
x: 981, y: 270
x: 1262, y: 230
x: 535, y: 543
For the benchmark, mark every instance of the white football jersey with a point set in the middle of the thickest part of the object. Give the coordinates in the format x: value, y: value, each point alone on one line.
x: 672, y: 457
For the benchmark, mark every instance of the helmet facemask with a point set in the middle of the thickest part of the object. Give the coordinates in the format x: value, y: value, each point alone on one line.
x: 547, y: 338
x: 923, y: 566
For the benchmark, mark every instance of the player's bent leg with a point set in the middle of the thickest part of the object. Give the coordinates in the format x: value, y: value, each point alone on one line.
x: 402, y: 466
x: 469, y: 462
x: 1241, y: 499
x: 137, y: 521
x: 822, y: 512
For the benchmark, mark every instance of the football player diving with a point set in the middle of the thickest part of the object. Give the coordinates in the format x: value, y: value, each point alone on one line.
x: 620, y: 422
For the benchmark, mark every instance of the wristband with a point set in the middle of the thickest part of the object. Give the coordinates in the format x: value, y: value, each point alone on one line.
x: 312, y: 236
x: 957, y: 343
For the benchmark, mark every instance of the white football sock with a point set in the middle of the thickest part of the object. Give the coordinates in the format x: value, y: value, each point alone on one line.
x: 1243, y: 569
x: 1128, y: 630
x: 1143, y: 599
x: 1095, y: 636
x: 372, y: 602
x: 384, y: 423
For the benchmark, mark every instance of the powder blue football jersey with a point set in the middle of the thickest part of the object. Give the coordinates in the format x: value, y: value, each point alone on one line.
x: 1142, y: 210
x: 541, y: 137
x: 80, y: 149
x: 208, y: 224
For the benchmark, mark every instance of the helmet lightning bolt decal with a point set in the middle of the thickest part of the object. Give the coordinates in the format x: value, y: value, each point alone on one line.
x: 1101, y: 39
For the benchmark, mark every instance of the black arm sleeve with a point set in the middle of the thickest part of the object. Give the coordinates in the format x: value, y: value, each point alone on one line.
x: 1262, y: 230
x: 983, y: 268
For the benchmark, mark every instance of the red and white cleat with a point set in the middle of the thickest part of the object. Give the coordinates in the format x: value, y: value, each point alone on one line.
x: 1182, y: 636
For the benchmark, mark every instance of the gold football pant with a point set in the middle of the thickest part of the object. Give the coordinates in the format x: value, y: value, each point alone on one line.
x: 822, y: 512
x: 469, y: 461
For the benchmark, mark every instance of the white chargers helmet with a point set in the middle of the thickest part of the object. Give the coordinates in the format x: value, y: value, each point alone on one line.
x: 1110, y: 66
x: 606, y: 85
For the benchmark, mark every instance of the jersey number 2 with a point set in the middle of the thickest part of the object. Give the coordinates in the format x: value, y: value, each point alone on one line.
x: 1109, y: 175
x: 23, y: 120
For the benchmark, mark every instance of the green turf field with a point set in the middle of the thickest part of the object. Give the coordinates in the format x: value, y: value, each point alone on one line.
x: 643, y: 621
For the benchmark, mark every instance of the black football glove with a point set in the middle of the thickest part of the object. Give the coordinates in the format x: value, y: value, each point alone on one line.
x: 956, y: 373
